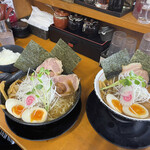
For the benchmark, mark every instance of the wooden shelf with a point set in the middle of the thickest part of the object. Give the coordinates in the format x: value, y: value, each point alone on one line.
x: 127, y: 21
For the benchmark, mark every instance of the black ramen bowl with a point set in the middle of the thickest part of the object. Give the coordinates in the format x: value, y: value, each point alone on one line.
x: 10, y: 68
x: 36, y: 126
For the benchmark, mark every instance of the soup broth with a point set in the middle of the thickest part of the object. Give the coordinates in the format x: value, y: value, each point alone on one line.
x: 113, y: 91
x: 62, y: 106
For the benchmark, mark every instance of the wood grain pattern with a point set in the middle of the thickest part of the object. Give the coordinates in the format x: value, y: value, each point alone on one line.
x: 127, y: 21
x: 23, y: 8
x: 82, y: 135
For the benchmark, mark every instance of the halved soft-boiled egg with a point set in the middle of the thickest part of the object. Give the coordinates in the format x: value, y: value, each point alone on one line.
x: 34, y: 115
x: 136, y: 110
x: 113, y: 102
x: 15, y: 107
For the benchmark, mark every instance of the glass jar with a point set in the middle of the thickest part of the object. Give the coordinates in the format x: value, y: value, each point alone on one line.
x: 144, y: 15
x: 106, y: 33
x: 61, y: 18
x: 75, y: 22
x: 90, y: 27
x: 128, y: 4
x: 138, y: 7
x: 116, y: 5
x: 89, y: 1
x: 101, y: 4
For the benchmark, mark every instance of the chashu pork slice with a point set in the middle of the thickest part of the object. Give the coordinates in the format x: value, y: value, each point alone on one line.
x: 66, y: 84
x: 142, y: 73
x: 132, y: 66
x: 137, y: 69
x: 52, y: 64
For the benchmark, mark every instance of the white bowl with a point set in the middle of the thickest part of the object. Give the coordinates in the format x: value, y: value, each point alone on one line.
x: 101, y: 76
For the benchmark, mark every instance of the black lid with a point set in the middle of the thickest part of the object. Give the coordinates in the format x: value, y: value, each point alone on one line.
x: 19, y: 25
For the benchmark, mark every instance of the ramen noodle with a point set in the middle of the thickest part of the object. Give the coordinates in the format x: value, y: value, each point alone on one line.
x: 111, y: 97
x: 62, y: 105
x: 43, y: 95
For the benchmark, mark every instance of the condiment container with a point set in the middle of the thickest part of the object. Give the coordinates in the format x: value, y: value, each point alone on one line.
x: 116, y: 5
x: 20, y: 29
x: 106, y: 33
x: 75, y: 22
x: 90, y: 27
x: 138, y: 7
x: 91, y: 2
x: 61, y: 18
x: 101, y: 4
x: 128, y: 4
x: 144, y: 15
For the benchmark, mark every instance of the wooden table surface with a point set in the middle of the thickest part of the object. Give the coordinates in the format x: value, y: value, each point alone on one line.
x: 81, y: 136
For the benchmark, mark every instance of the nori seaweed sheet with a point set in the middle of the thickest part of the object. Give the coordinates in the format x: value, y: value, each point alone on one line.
x: 112, y: 65
x: 142, y: 58
x: 67, y: 55
x: 32, y: 56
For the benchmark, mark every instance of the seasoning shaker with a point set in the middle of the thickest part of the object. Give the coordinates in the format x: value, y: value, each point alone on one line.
x: 138, y: 7
x: 90, y: 27
x: 116, y: 5
x: 144, y: 15
x: 61, y: 18
x: 75, y: 22
x: 106, y: 33
x: 89, y: 1
x: 101, y: 4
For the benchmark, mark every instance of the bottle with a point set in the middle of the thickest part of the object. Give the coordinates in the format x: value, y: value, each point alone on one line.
x: 144, y: 15
x: 128, y: 4
x: 101, y: 4
x: 90, y: 27
x: 138, y: 7
x: 75, y: 23
x: 91, y: 2
x: 116, y: 5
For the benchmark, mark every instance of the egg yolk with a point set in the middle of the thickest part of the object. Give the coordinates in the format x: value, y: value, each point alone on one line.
x: 36, y: 115
x: 117, y: 105
x: 137, y: 109
x: 18, y: 109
